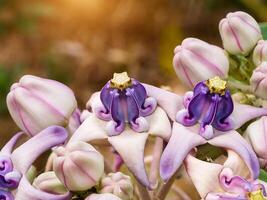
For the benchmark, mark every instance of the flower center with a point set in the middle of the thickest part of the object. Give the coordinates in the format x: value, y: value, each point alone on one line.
x: 216, y: 85
x: 256, y: 195
x: 120, y: 81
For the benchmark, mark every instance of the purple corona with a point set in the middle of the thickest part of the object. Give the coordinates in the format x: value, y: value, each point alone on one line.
x: 125, y: 101
x: 210, y: 105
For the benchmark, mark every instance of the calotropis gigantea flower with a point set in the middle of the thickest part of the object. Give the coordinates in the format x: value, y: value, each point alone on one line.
x: 228, y: 181
x: 210, y: 116
x: 196, y: 60
x: 78, y: 165
x: 125, y: 113
x: 106, y: 196
x: 260, y: 52
x: 34, y: 99
x: 258, y: 81
x: 117, y: 184
x: 256, y: 134
x: 14, y: 165
x: 239, y: 32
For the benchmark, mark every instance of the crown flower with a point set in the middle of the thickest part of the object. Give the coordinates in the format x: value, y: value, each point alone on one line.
x: 211, y: 105
x: 125, y: 101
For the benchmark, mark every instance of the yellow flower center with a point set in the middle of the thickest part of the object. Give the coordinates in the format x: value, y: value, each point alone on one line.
x: 216, y: 85
x: 120, y: 81
x: 256, y: 195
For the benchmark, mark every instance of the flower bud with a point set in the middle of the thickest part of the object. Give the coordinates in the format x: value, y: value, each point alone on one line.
x: 256, y: 134
x: 117, y: 184
x: 36, y: 103
x: 239, y: 32
x: 260, y: 53
x: 78, y: 165
x: 258, y: 81
x: 196, y: 60
x: 49, y: 182
x: 106, y: 196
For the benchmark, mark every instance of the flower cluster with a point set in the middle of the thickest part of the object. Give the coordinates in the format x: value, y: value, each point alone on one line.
x: 89, y: 147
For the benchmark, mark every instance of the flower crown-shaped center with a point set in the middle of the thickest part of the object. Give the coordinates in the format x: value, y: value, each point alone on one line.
x: 120, y: 81
x: 216, y: 85
x: 256, y: 195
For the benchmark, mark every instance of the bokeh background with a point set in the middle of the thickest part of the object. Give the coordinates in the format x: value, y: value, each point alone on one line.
x: 82, y: 42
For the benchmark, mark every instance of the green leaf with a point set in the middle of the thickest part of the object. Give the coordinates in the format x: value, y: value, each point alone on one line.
x: 263, y: 175
x: 263, y: 27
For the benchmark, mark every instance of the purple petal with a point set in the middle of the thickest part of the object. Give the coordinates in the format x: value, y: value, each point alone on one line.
x: 169, y: 101
x: 27, y: 192
x: 195, y: 110
x: 5, y: 195
x: 243, y: 113
x: 6, y: 164
x: 132, y: 107
x: 26, y: 154
x: 131, y: 146
x: 10, y: 180
x: 211, y: 112
x: 118, y: 111
x: 8, y: 148
x: 234, y: 184
x: 106, y: 97
x: 181, y: 143
x: 233, y: 141
x: 139, y: 93
x: 225, y: 109
x: 225, y: 196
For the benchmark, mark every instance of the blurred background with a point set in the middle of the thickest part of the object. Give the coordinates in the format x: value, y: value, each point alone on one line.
x: 82, y: 42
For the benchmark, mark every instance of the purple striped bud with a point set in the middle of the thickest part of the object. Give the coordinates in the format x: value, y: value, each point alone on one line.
x: 78, y: 166
x: 196, y: 60
x: 117, y: 184
x: 239, y: 32
x: 36, y: 103
x: 260, y: 52
x: 106, y: 196
x: 258, y: 81
x: 256, y: 135
x: 49, y: 183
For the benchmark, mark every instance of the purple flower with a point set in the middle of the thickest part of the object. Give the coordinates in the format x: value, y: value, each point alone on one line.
x: 125, y: 101
x: 228, y: 181
x: 209, y: 116
x: 124, y: 115
x: 210, y: 105
x: 14, y: 165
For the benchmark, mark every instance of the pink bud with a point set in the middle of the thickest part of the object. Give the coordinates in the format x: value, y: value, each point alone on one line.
x: 49, y: 182
x: 256, y: 135
x: 106, y: 196
x: 78, y: 165
x: 36, y: 103
x: 196, y: 60
x: 258, y: 81
x: 239, y: 32
x: 260, y: 53
x: 117, y: 184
